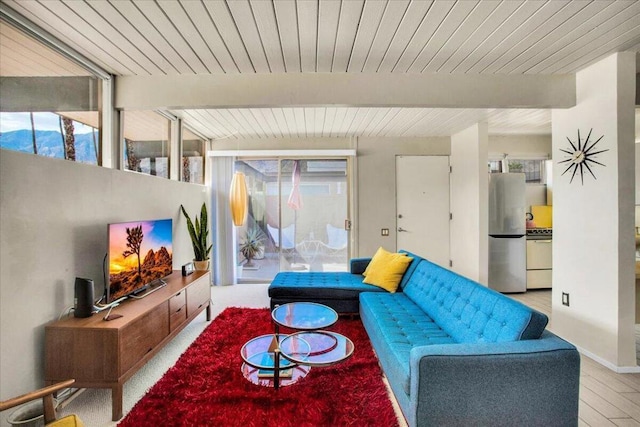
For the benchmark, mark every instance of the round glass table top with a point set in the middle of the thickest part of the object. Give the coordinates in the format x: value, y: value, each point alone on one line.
x: 326, y: 348
x: 258, y: 352
x: 305, y: 316
x: 259, y: 361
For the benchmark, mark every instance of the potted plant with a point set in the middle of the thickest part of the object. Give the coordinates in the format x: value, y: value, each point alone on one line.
x: 199, y: 234
x: 252, y: 245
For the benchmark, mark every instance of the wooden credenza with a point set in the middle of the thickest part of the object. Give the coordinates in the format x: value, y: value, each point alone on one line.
x: 105, y: 354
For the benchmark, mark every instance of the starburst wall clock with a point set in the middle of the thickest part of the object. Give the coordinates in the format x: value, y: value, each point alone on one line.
x: 581, y: 156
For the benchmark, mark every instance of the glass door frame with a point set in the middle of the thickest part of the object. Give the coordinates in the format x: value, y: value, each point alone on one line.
x: 300, y: 155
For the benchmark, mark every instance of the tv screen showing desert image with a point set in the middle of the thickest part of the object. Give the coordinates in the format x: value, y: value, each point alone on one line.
x: 140, y: 252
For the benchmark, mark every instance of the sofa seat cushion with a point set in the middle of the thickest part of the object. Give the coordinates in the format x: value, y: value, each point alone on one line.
x: 469, y: 312
x: 395, y: 325
x: 319, y: 285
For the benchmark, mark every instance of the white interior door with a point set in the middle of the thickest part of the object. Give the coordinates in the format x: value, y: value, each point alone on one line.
x: 422, y: 206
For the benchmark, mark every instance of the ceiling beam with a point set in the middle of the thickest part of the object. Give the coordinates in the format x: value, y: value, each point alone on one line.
x: 347, y: 89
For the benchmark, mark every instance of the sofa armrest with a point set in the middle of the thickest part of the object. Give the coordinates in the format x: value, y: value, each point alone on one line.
x: 358, y: 265
x: 531, y: 382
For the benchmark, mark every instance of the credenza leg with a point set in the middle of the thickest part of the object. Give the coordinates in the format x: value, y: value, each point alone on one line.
x: 209, y: 311
x: 116, y: 402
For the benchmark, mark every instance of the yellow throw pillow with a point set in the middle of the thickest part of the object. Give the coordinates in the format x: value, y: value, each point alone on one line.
x: 386, y: 269
x: 381, y: 252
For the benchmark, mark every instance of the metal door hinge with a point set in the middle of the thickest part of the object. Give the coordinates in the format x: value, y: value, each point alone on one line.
x: 347, y: 224
x: 450, y: 169
x: 450, y: 263
x: 450, y: 216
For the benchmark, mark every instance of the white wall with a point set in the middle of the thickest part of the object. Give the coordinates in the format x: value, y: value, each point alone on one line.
x: 520, y: 145
x: 593, y: 254
x: 469, y: 202
x: 53, y: 222
x: 377, y: 186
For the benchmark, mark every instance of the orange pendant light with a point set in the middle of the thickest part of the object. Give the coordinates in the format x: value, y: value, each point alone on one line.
x: 238, y: 199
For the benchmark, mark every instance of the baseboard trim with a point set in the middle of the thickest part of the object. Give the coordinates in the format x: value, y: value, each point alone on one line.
x: 607, y: 364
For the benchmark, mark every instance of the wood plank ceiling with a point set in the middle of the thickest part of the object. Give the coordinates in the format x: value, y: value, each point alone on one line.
x: 171, y: 37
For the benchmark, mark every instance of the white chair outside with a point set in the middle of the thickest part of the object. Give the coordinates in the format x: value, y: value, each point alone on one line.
x: 288, y: 237
x: 337, y: 238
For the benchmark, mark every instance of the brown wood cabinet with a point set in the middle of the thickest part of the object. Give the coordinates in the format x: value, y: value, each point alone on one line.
x: 105, y: 354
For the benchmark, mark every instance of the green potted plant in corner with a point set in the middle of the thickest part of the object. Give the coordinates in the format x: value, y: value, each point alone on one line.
x: 199, y: 234
x: 252, y: 245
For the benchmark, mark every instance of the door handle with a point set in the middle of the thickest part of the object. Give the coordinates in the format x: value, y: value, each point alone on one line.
x: 400, y: 229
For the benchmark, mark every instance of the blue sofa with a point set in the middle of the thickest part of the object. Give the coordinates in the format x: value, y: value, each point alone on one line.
x: 457, y: 353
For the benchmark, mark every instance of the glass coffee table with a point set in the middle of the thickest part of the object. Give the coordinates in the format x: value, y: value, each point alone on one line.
x: 275, y: 360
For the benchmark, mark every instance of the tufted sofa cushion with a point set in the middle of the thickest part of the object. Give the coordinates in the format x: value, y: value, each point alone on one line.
x: 398, y: 325
x: 468, y: 312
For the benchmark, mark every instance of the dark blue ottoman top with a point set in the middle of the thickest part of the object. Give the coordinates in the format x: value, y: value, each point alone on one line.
x: 325, y: 285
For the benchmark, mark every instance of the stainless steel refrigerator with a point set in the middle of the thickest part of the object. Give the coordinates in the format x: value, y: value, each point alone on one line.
x: 507, y: 232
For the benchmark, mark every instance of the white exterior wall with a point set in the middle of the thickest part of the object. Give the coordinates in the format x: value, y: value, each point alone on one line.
x: 593, y: 253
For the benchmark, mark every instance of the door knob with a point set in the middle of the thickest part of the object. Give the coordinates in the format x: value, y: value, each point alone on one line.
x: 400, y: 229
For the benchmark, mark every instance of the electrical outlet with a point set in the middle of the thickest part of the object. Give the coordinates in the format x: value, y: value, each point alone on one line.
x: 565, y: 299
x: 384, y: 231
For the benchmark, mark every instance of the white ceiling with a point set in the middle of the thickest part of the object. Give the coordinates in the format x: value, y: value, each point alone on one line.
x: 168, y: 37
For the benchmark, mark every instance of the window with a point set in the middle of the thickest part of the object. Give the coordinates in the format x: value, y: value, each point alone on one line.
x: 146, y: 142
x: 532, y: 169
x: 495, y: 166
x: 49, y: 104
x: 193, y: 150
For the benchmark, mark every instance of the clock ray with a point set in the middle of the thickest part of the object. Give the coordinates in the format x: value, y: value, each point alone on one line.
x: 572, y: 146
x: 579, y: 146
x: 594, y: 144
x: 597, y: 152
x: 586, y: 165
x: 575, y: 169
x: 593, y: 161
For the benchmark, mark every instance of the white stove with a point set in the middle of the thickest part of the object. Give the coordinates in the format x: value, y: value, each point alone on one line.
x: 539, y: 233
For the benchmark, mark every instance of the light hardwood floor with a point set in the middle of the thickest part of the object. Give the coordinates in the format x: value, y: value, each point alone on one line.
x: 606, y: 398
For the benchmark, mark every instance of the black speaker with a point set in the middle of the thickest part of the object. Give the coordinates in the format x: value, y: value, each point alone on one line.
x: 83, y: 303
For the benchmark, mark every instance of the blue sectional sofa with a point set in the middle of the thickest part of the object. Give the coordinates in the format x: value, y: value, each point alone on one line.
x: 457, y: 353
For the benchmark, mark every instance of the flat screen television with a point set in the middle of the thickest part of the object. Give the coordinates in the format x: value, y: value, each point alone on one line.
x: 140, y: 252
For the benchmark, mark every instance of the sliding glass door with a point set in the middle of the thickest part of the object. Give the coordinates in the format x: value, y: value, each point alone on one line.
x: 298, y: 217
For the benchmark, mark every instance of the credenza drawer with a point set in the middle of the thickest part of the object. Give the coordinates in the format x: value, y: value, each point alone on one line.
x: 198, y: 295
x: 142, y: 335
x: 177, y: 317
x: 177, y: 301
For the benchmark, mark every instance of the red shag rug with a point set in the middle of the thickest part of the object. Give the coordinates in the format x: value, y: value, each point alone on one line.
x: 207, y: 388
